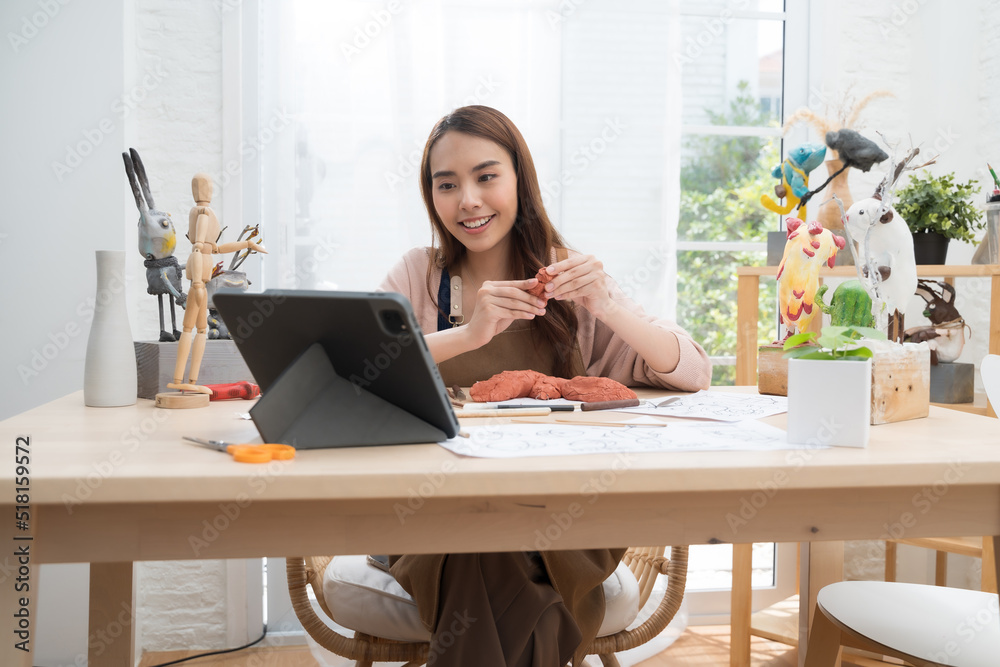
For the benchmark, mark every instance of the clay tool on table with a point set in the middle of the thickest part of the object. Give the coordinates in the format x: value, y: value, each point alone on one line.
x: 610, y: 405
x: 632, y: 423
x: 520, y: 412
x: 561, y: 407
x: 245, y: 390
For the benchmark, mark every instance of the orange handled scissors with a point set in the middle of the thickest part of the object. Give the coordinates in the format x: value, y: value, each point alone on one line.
x: 248, y: 453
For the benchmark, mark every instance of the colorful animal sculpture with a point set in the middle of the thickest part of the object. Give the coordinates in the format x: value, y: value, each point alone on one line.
x: 794, y: 175
x: 890, y: 253
x: 157, y: 241
x: 808, y: 247
x: 850, y: 305
x: 946, y: 334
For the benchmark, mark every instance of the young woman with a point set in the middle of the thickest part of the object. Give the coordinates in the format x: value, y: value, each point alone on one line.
x: 471, y: 297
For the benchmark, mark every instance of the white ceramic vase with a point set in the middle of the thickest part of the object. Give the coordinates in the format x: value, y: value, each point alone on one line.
x: 109, y: 376
x: 829, y: 402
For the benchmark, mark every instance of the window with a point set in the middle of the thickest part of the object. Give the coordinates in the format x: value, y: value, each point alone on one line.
x: 363, y: 86
x: 733, y: 57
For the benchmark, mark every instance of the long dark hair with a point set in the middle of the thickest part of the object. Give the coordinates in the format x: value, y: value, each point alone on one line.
x: 532, y: 238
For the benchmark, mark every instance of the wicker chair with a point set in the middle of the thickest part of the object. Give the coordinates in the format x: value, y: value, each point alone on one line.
x: 646, y: 563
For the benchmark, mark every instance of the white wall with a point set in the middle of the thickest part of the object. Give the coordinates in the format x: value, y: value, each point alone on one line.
x: 940, y: 60
x: 90, y: 79
x: 63, y: 72
x: 60, y: 99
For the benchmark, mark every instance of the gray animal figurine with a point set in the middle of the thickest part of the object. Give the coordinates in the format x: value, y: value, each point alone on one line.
x: 157, y: 241
x: 229, y: 279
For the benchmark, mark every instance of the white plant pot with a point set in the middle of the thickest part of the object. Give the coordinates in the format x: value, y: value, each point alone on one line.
x: 829, y: 402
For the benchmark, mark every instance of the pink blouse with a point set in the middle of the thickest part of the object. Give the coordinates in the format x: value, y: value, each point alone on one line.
x: 604, y: 353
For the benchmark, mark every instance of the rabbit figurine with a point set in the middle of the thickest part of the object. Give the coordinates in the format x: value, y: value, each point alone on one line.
x: 157, y: 240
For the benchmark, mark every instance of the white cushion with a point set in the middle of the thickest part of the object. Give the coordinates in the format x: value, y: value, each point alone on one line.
x: 943, y: 625
x: 366, y: 599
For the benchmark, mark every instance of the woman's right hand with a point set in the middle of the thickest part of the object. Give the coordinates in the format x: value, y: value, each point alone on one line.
x: 498, y: 304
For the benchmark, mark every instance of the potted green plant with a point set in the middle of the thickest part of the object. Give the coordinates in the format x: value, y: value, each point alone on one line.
x: 938, y: 209
x: 830, y: 386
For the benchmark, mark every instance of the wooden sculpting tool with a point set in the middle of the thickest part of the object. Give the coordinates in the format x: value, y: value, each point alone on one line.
x: 520, y: 412
x: 610, y: 405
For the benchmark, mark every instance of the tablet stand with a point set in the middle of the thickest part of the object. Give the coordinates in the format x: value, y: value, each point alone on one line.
x: 310, y: 406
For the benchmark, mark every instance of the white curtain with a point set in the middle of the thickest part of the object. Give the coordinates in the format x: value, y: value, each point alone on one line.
x: 593, y: 86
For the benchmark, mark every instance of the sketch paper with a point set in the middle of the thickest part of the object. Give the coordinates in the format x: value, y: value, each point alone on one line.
x: 522, y: 440
x: 714, y: 405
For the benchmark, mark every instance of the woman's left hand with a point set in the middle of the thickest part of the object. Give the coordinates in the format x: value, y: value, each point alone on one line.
x: 580, y: 279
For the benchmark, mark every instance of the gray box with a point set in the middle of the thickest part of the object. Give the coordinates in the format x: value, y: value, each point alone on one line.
x: 155, y: 362
x: 953, y: 383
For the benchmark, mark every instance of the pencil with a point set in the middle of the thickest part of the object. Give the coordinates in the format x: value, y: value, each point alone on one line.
x: 996, y: 180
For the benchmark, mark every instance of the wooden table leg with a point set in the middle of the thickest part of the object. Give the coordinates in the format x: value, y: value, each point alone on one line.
x: 747, y: 305
x: 741, y: 606
x: 822, y: 563
x: 112, y: 615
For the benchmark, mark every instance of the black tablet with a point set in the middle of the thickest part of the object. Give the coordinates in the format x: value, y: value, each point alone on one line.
x: 338, y: 369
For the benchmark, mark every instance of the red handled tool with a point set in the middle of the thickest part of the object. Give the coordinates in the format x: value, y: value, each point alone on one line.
x: 245, y: 390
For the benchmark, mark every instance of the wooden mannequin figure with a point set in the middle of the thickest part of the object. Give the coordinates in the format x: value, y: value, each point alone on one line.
x: 203, y: 232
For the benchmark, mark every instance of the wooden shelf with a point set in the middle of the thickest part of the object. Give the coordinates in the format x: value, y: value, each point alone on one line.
x: 748, y: 303
x: 979, y: 406
x: 923, y: 271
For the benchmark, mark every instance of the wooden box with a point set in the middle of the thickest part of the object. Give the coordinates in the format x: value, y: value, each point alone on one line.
x: 901, y: 379
x: 901, y: 382
x: 772, y: 370
x: 155, y: 362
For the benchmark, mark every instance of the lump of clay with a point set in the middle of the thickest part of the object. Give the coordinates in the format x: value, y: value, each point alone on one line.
x: 543, y: 277
x: 532, y: 384
x: 503, y: 386
x: 547, y: 387
x: 591, y: 389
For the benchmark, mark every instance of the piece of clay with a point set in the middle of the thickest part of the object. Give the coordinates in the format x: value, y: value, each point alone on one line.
x: 543, y: 277
x: 548, y: 387
x: 505, y: 385
x: 590, y: 389
x: 532, y: 384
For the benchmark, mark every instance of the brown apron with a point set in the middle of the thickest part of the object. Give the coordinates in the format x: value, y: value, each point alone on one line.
x: 513, y: 349
x: 530, y: 610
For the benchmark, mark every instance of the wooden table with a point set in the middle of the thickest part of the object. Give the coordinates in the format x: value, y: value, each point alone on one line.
x: 111, y: 486
x: 748, y: 301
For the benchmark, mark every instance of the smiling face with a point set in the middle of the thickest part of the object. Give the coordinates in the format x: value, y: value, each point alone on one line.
x: 474, y: 189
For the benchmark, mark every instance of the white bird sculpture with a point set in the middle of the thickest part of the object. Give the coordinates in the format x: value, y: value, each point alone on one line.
x: 885, y: 250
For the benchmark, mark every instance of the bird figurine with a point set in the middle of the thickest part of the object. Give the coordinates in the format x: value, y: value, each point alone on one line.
x: 807, y: 248
x: 794, y: 175
x: 855, y: 150
x: 888, y: 267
